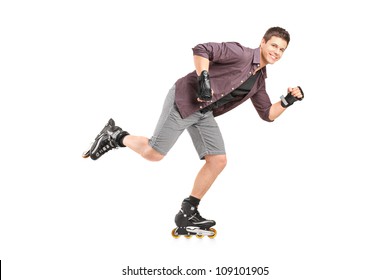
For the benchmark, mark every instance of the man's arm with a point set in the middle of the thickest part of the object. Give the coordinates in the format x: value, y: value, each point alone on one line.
x: 201, y: 64
x: 276, y: 110
x: 202, y: 68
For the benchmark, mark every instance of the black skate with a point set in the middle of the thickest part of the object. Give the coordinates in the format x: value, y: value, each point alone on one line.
x: 189, y: 222
x: 105, y: 141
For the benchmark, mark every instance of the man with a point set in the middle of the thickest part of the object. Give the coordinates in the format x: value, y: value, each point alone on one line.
x: 225, y: 76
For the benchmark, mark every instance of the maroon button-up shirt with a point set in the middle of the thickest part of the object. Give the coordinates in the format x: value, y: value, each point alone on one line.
x: 231, y: 64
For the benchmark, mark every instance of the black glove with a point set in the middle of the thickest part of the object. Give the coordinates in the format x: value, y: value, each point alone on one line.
x: 204, y: 90
x: 289, y: 100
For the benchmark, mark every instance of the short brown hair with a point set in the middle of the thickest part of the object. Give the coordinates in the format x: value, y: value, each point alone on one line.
x: 277, y: 32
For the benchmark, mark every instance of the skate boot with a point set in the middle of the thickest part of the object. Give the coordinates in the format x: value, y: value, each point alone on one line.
x: 189, y: 222
x: 109, y: 138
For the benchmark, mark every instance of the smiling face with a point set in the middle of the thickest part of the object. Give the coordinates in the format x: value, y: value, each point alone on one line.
x: 272, y: 50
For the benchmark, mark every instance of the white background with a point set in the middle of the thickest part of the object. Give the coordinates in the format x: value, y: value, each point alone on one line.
x: 305, y: 195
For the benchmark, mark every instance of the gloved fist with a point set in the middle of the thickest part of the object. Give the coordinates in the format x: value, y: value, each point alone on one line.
x: 204, y: 90
x: 294, y: 94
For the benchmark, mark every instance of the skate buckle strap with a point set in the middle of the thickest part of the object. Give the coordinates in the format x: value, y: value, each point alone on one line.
x: 115, y: 134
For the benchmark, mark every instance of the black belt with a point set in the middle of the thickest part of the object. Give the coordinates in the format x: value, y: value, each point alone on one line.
x: 206, y: 109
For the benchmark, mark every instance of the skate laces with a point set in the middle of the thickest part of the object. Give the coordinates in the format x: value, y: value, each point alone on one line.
x: 197, y: 216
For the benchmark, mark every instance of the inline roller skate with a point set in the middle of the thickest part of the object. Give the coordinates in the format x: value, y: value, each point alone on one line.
x: 189, y: 222
x: 109, y: 138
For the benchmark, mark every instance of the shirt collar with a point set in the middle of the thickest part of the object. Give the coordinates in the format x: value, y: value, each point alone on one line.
x: 256, y: 61
x: 256, y: 56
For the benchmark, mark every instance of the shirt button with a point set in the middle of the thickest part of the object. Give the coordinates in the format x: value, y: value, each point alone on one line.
x: 200, y: 107
x: 232, y: 88
x: 242, y: 81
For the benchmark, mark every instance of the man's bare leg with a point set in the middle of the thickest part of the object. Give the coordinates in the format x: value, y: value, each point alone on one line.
x: 207, y: 174
x: 140, y: 145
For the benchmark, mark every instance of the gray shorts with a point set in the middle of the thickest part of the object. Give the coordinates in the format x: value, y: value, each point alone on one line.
x: 203, y: 129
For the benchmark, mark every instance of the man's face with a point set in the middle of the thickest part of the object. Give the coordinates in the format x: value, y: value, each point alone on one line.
x: 273, y: 50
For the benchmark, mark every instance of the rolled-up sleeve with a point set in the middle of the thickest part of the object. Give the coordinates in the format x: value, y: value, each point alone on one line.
x: 262, y: 104
x: 219, y: 52
x: 204, y: 50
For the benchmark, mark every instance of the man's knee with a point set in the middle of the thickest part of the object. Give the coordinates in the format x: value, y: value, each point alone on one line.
x: 151, y: 154
x: 218, y: 161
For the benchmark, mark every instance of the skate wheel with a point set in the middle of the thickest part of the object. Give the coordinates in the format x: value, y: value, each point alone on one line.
x: 174, y: 234
x: 86, y: 154
x: 188, y: 236
x: 199, y: 236
x: 215, y: 233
